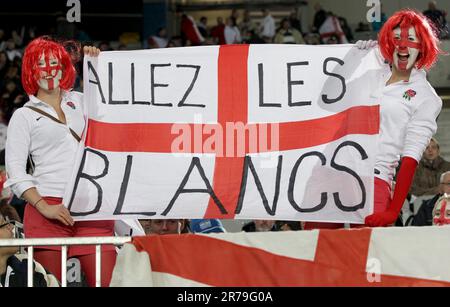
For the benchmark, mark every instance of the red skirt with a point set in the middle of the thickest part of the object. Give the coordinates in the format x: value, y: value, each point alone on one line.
x: 38, y: 226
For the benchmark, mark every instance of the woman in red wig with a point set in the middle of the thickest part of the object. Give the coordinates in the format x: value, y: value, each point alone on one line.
x: 409, y: 107
x: 47, y: 129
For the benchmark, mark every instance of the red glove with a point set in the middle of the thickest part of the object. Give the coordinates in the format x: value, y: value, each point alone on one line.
x: 404, y: 180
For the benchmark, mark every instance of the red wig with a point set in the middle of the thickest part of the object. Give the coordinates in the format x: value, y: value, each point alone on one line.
x: 45, y: 45
x: 425, y: 31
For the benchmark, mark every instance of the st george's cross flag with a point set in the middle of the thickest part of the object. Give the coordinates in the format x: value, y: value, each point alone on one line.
x: 235, y: 132
x: 410, y: 256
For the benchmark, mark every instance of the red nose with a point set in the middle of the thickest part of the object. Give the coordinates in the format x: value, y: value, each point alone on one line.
x: 402, y: 48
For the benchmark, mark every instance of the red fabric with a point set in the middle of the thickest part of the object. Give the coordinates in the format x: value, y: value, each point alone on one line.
x: 219, y: 32
x: 404, y: 180
x: 382, y: 198
x: 158, y: 137
x: 37, y: 226
x: 340, y: 259
x: 232, y: 107
x: 189, y: 28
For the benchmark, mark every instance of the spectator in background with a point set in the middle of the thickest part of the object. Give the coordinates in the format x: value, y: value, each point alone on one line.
x: 207, y: 226
x: 159, y: 40
x: 7, y: 210
x: 11, y: 99
x: 287, y: 34
x: 218, y: 32
x: 332, y: 27
x: 4, y: 63
x: 429, y: 170
x: 260, y: 226
x: 235, y: 15
x: 12, y: 73
x: 288, y: 225
x: 436, y: 16
x: 319, y: 17
x: 295, y: 21
x: 252, y: 38
x: 163, y: 227
x: 11, y: 51
x: 18, y: 38
x: 346, y: 28
x: 312, y: 39
x: 424, y: 216
x: 2, y: 40
x: 267, y: 27
x: 232, y: 33
x: 246, y: 26
x: 441, y: 211
x: 13, y: 267
x: 189, y: 32
x: 203, y: 26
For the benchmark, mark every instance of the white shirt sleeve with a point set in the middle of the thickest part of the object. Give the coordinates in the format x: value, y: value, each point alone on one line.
x: 18, y: 142
x: 268, y: 28
x: 421, y: 128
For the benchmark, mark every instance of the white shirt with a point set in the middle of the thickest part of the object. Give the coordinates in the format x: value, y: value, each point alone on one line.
x: 407, y: 122
x: 232, y: 35
x: 160, y: 42
x: 51, y: 145
x: 268, y: 27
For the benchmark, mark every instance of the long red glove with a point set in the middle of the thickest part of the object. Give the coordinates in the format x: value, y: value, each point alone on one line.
x: 404, y: 180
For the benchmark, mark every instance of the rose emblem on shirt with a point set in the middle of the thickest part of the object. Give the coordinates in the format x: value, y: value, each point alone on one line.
x: 409, y: 94
x: 71, y: 104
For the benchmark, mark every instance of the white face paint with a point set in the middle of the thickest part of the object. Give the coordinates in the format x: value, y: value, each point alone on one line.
x: 407, y: 48
x: 50, y: 72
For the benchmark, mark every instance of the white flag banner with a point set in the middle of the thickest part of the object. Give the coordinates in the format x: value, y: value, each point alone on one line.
x: 283, y: 132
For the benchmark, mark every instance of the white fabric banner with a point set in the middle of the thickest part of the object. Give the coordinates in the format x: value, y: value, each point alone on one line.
x: 244, y: 132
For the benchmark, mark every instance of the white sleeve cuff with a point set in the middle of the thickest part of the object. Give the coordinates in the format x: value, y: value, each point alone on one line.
x: 19, y: 186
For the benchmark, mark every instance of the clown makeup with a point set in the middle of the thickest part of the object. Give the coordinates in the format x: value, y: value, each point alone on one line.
x: 407, y: 47
x: 441, y: 212
x: 49, y: 72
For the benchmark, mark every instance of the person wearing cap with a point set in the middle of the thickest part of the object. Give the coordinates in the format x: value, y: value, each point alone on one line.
x: 207, y: 226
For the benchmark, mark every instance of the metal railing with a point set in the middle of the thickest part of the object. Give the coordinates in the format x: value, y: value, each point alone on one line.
x: 64, y: 242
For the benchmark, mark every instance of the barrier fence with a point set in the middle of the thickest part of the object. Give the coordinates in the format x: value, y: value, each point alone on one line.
x: 64, y: 243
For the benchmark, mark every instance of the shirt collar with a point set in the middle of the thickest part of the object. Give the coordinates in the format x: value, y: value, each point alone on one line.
x: 35, y: 100
x: 416, y: 75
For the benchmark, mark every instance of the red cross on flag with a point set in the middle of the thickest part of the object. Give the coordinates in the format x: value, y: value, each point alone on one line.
x: 242, y: 131
x: 383, y: 257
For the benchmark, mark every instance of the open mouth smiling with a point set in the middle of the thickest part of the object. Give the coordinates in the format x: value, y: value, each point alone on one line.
x: 403, y: 57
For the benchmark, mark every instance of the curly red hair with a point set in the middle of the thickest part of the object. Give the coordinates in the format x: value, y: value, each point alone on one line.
x: 425, y: 31
x: 34, y: 51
